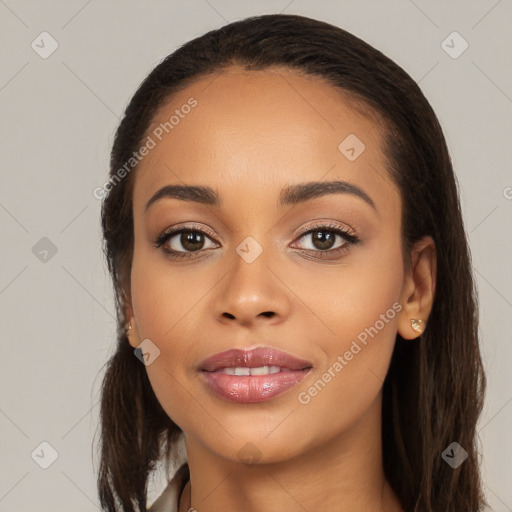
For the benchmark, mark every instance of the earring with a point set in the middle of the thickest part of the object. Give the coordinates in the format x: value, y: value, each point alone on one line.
x: 129, y: 328
x: 417, y: 325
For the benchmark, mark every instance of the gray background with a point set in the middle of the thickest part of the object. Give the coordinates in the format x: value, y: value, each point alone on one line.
x: 57, y: 119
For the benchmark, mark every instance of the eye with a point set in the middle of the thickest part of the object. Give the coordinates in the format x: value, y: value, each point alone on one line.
x: 328, y: 239
x: 181, y: 242
x: 184, y: 241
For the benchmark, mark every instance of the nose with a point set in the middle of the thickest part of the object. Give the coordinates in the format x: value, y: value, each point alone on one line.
x: 252, y: 293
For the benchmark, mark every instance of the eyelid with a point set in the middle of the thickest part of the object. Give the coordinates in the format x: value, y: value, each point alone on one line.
x: 187, y: 227
x: 327, y: 224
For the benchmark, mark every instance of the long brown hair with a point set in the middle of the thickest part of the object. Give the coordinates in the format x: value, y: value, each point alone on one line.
x: 434, y: 389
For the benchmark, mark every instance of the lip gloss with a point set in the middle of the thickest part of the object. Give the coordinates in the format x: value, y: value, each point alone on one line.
x: 252, y: 388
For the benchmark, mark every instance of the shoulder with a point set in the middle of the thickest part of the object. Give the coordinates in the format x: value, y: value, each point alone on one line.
x: 168, y: 500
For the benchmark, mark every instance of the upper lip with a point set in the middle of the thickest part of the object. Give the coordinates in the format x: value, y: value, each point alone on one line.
x: 261, y: 356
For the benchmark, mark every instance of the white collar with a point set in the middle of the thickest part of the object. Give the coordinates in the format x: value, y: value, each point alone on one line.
x: 168, y: 500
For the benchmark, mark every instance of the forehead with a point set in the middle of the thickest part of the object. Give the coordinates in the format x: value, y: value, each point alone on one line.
x: 260, y: 129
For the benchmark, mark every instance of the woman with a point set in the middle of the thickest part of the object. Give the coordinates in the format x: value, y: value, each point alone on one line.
x: 293, y: 284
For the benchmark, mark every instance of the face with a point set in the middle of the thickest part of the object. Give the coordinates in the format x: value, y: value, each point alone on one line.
x: 318, y: 275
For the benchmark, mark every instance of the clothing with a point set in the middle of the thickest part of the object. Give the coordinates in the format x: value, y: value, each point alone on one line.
x: 169, y: 499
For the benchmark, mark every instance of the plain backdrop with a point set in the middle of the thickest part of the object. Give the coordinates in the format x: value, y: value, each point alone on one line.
x: 57, y: 118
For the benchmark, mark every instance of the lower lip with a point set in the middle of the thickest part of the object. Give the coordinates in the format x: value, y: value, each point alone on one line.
x: 252, y: 388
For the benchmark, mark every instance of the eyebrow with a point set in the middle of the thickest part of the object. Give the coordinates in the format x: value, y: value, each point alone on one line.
x: 291, y: 194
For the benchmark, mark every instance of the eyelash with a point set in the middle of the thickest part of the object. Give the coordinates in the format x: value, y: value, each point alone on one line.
x: 350, y: 240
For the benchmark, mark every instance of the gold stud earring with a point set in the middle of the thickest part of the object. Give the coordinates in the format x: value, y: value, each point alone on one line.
x: 129, y: 328
x: 417, y: 325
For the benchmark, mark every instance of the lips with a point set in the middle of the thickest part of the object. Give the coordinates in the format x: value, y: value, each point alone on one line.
x: 261, y: 356
x: 251, y: 376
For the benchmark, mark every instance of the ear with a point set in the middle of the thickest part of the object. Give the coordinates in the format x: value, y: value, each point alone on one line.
x: 418, y: 290
x: 132, y: 331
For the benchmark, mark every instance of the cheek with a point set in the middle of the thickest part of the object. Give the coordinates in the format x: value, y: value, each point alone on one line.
x: 359, y: 304
x: 162, y: 297
x: 354, y: 296
x: 163, y: 304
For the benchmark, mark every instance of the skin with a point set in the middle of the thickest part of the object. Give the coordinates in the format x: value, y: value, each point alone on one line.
x: 251, y: 134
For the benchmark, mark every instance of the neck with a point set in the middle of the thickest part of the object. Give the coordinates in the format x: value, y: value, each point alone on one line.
x: 344, y: 473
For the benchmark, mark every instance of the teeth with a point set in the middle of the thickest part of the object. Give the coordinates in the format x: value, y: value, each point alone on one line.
x: 261, y: 370
x: 265, y: 370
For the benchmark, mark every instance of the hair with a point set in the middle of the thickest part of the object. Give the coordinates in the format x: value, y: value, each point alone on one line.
x: 433, y: 392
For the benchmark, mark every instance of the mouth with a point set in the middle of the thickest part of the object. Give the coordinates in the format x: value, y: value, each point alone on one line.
x: 252, y: 376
